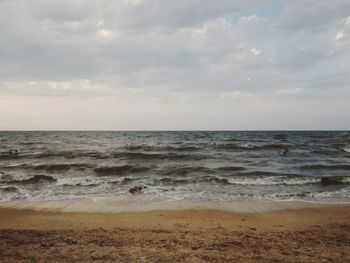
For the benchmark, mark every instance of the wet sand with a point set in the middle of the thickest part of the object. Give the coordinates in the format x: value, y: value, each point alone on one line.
x: 320, y: 234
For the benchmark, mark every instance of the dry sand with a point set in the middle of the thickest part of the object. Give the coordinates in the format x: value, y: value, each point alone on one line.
x: 194, y: 235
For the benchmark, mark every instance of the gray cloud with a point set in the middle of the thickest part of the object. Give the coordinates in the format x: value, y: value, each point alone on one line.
x: 313, y: 15
x: 163, y: 52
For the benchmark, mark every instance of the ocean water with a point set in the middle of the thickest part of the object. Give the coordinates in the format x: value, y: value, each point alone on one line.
x: 176, y: 166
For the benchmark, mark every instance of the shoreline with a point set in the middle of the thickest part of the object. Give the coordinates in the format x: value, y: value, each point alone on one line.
x: 137, y: 204
x: 194, y: 218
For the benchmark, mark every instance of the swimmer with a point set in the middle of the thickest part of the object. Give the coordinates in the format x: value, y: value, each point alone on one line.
x: 285, y: 151
x: 12, y: 153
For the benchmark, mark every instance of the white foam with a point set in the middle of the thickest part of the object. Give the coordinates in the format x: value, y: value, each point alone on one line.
x: 74, y: 181
x: 273, y: 180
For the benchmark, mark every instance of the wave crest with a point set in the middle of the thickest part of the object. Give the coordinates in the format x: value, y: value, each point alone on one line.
x: 325, y: 167
x: 39, y: 178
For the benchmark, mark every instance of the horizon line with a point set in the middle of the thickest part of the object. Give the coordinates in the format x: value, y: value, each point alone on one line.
x: 180, y: 130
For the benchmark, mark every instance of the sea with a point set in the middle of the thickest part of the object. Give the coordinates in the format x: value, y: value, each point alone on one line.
x: 220, y: 166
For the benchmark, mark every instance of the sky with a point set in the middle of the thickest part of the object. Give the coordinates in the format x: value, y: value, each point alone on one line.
x: 174, y: 65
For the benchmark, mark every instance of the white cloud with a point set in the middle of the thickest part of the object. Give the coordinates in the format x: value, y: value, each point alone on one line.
x: 339, y: 36
x: 249, y: 19
x: 255, y: 51
x: 288, y: 91
x: 106, y: 35
x: 347, y: 20
x: 80, y: 88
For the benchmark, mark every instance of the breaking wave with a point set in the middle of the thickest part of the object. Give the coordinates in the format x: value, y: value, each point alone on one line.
x: 62, y: 166
x: 39, y: 178
x: 259, y: 181
x: 158, y: 156
x: 325, y: 167
x: 161, y: 148
x: 233, y: 146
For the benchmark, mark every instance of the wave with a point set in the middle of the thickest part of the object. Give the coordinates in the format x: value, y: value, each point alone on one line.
x: 250, y: 146
x: 325, y: 167
x: 183, y: 181
x: 9, y: 157
x: 283, y: 180
x: 335, y: 180
x: 272, y: 146
x: 231, y: 140
x: 126, y: 180
x: 117, y: 170
x: 10, y: 189
x: 137, y: 155
x: 307, y: 194
x: 132, y: 152
x: 138, y: 147
x: 228, y: 146
x: 80, y: 184
x: 35, y: 143
x: 62, y: 166
x: 5, y: 177
x: 39, y: 178
x: 173, y: 181
x: 325, y: 152
x: 282, y: 137
x: 185, y: 170
x: 264, y: 173
x: 343, y: 193
x: 230, y: 168
x: 257, y: 181
x: 70, y: 154
x: 160, y: 148
x: 182, y: 170
x: 158, y: 156
x: 14, y: 166
x: 183, y: 148
x: 273, y: 181
x: 223, y: 170
x: 214, y: 179
x: 59, y: 154
x: 240, y: 181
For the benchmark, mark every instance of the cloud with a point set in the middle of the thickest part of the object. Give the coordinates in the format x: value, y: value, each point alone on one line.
x: 288, y: 91
x: 313, y: 15
x: 339, y: 36
x: 162, y: 53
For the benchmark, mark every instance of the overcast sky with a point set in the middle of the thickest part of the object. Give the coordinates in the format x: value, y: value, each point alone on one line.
x: 174, y: 65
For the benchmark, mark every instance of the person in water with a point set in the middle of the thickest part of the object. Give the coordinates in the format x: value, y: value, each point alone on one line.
x: 285, y: 151
x: 13, y: 153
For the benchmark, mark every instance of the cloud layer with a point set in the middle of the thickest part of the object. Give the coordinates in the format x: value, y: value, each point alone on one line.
x: 162, y: 64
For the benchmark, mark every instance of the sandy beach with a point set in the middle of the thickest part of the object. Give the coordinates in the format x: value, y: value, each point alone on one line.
x: 320, y: 234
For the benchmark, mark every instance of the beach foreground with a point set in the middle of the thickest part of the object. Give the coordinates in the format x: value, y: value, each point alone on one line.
x: 193, y: 235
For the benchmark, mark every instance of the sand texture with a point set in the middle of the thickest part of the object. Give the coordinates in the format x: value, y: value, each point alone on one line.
x: 299, y: 235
